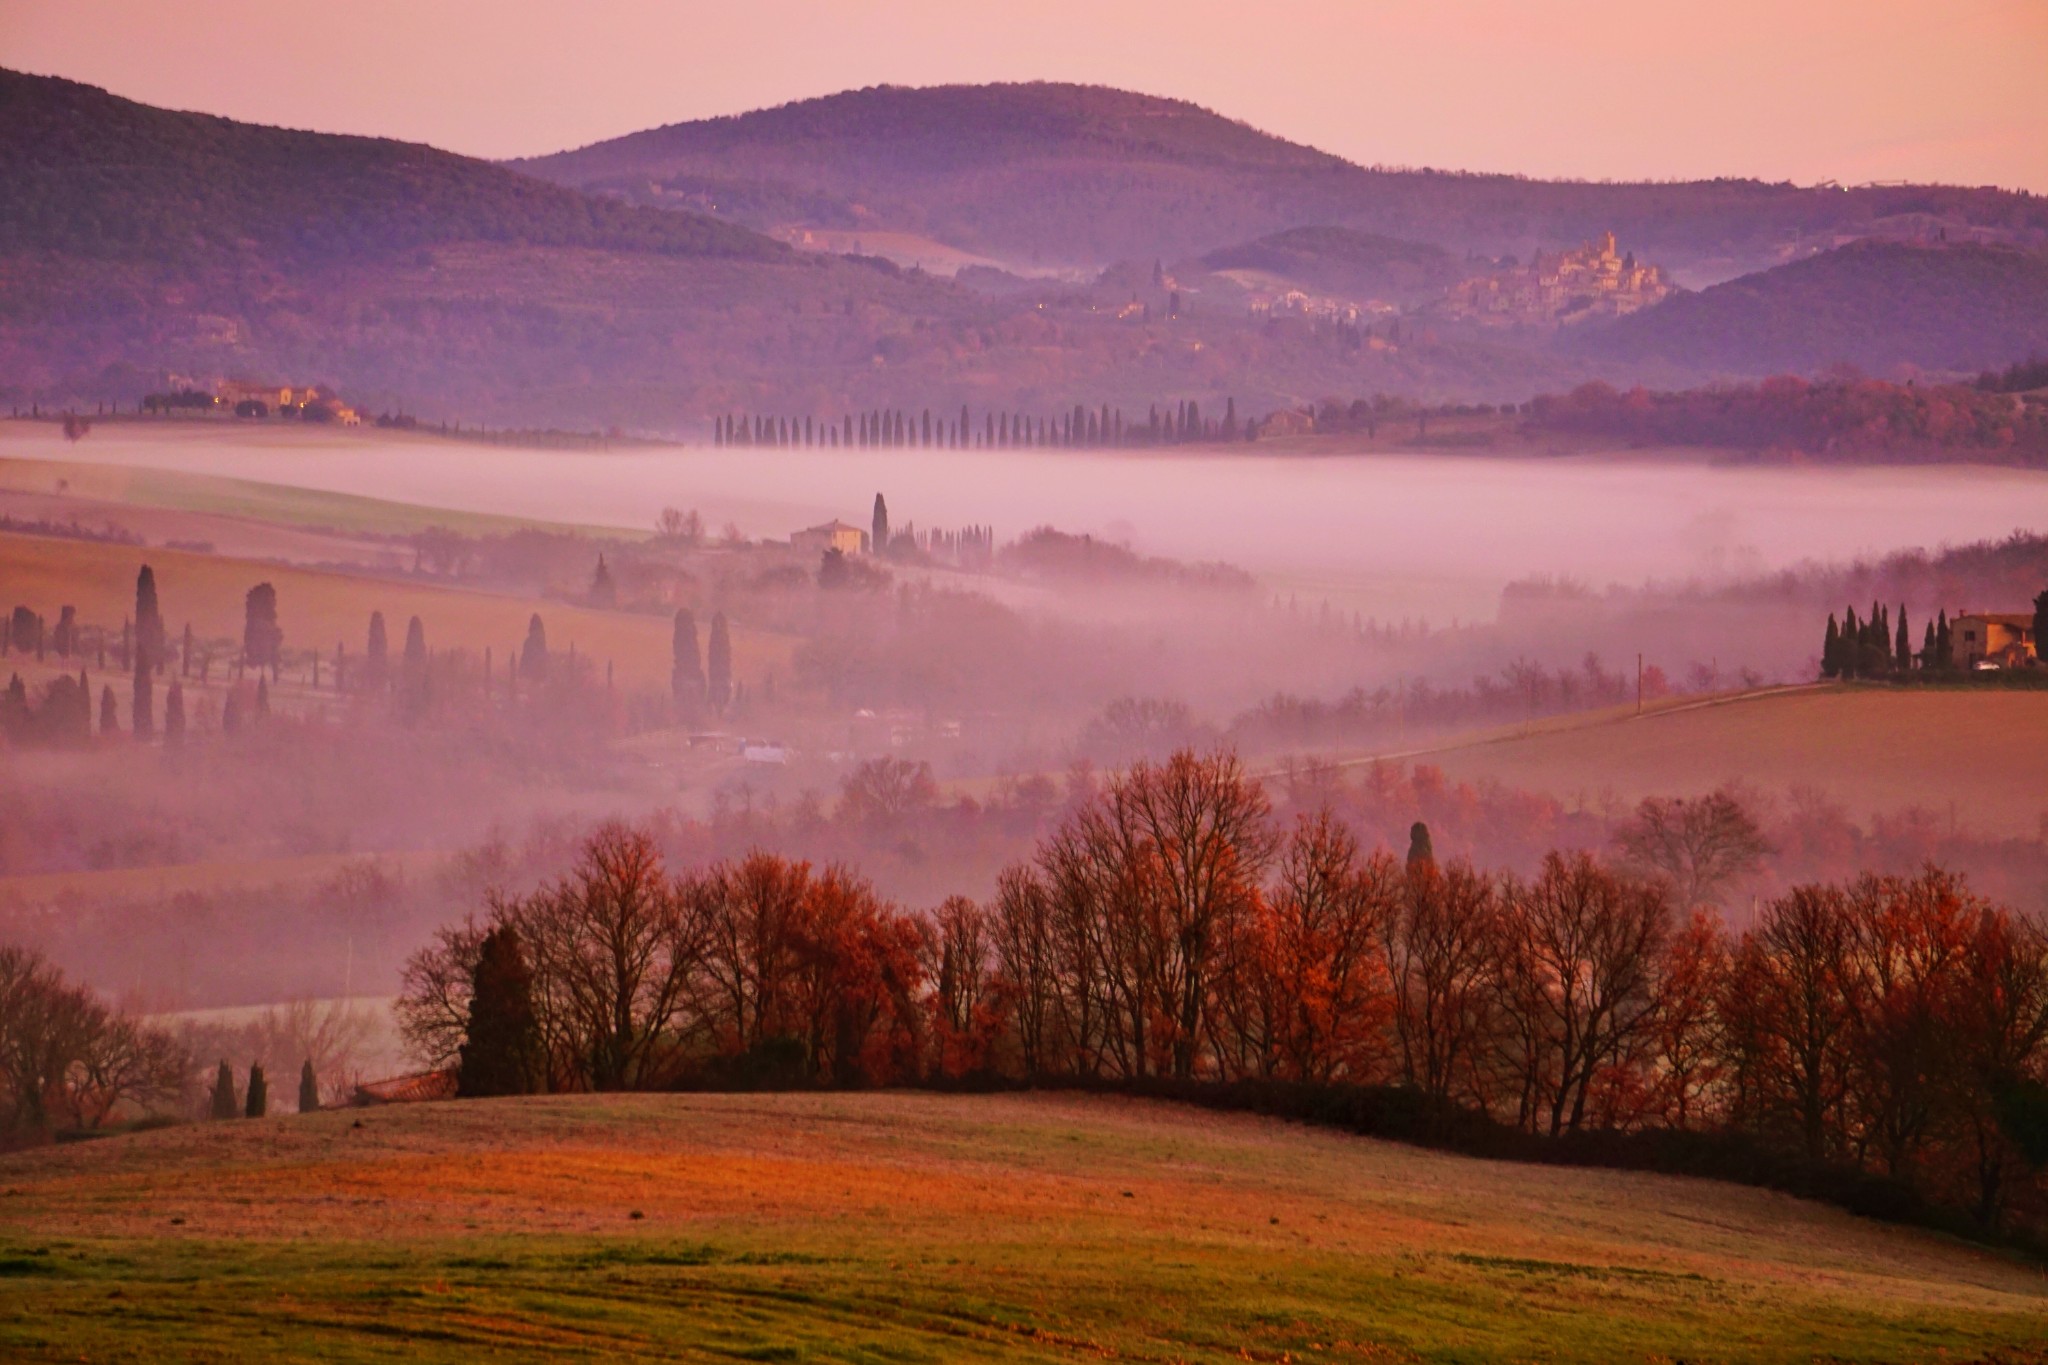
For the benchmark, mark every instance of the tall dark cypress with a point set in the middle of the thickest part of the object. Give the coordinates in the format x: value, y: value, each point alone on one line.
x: 686, y: 673
x: 149, y: 621
x: 533, y: 655
x: 377, y: 656
x: 262, y: 639
x: 413, y: 667
x: 501, y: 1045
x: 1904, y: 651
x: 1831, y: 651
x: 719, y: 662
x: 225, y: 1104
x: 174, y: 714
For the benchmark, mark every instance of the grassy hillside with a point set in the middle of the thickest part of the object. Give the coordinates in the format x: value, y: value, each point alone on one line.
x: 1964, y: 751
x: 922, y: 1228
x: 1876, y: 305
x: 1071, y: 173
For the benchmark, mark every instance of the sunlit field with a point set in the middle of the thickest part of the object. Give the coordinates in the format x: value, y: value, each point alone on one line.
x: 324, y: 608
x: 924, y: 1228
x: 1964, y: 756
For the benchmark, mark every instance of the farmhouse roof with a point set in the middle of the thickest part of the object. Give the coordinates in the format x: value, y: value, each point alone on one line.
x: 425, y: 1085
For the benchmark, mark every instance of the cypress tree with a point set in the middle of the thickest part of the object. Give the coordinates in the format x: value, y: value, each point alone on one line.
x: 412, y: 666
x: 225, y: 1105
x: 142, y: 711
x: 719, y: 663
x: 603, y: 592
x: 1831, y: 651
x: 174, y: 714
x: 262, y: 640
x: 880, y: 543
x: 309, y: 1088
x: 1421, y: 853
x: 262, y: 696
x: 109, y: 722
x: 259, y: 1093
x: 377, y: 656
x: 686, y: 673
x: 1852, y: 643
x: 1904, y: 650
x: 149, y: 622
x: 533, y: 655
x: 185, y: 653
x: 501, y: 1044
x: 1929, y: 658
x: 1944, y: 643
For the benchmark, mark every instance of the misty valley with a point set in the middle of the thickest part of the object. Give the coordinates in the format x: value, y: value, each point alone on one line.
x: 1010, y: 721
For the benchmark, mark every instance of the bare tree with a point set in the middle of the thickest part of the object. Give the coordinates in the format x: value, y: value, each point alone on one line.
x: 1579, y: 985
x: 1700, y: 846
x: 613, y: 948
x: 64, y: 1053
x: 1443, y: 954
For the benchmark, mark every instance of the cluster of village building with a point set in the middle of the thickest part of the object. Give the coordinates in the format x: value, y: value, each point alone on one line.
x: 1595, y: 280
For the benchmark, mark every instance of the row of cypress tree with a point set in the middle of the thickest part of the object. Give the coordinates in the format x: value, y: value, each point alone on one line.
x: 255, y: 1102
x: 1082, y: 427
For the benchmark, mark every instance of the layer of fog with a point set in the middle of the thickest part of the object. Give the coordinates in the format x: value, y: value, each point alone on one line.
x: 1391, y: 535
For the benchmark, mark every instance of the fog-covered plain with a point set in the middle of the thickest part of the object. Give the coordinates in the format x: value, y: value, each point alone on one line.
x: 1394, y: 535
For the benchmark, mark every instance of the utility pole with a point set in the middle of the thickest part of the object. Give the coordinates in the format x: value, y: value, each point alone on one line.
x: 1639, y: 684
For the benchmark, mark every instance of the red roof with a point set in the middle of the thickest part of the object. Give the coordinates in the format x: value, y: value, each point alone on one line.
x: 426, y: 1085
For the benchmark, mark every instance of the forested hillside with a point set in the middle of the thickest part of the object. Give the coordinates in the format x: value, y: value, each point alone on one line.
x: 1877, y: 305
x: 143, y: 247
x: 91, y: 174
x: 1083, y: 175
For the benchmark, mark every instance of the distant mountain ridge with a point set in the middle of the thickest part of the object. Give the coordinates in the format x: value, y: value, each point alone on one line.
x: 1087, y: 175
x: 91, y: 173
x: 143, y: 246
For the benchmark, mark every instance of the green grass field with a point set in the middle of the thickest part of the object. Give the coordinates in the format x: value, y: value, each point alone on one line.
x: 898, y: 1227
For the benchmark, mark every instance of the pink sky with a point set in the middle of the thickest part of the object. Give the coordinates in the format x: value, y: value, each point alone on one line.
x: 1806, y: 90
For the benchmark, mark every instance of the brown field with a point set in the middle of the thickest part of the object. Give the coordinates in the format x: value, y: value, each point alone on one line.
x: 917, y: 1227
x: 171, y: 879
x: 1970, y: 754
x: 319, y: 608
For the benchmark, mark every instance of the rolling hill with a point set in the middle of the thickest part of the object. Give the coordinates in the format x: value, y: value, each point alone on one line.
x: 91, y: 174
x: 1085, y: 175
x: 1778, y: 741
x: 143, y: 247
x: 1876, y: 305
x: 913, y: 1227
x: 1346, y: 263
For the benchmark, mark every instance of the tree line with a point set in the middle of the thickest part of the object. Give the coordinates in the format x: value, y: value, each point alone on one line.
x: 413, y: 681
x: 1825, y: 417
x: 1880, y: 645
x: 1081, y: 427
x: 1169, y: 930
